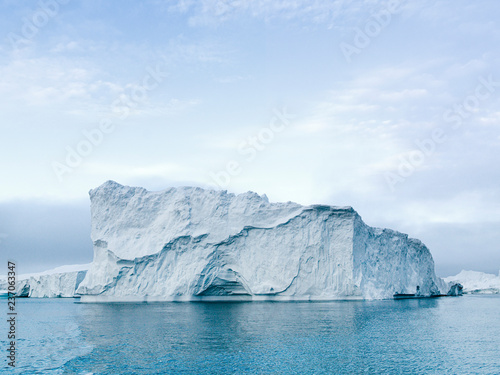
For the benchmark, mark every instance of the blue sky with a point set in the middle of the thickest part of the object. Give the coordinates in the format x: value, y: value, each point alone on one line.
x: 391, y: 107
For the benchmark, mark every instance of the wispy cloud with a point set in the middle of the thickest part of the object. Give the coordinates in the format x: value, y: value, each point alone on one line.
x: 46, y: 81
x: 326, y: 12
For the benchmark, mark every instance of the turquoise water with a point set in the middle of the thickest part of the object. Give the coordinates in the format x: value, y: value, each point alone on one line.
x: 458, y: 335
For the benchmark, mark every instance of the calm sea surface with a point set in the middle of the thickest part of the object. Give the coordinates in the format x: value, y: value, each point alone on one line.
x: 458, y: 335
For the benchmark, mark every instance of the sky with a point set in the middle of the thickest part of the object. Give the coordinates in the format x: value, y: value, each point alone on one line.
x: 391, y: 107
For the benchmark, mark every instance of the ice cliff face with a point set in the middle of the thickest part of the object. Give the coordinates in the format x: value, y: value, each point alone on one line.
x: 191, y: 244
x: 477, y: 282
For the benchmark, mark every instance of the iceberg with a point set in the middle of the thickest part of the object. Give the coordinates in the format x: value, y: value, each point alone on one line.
x: 58, y: 282
x: 192, y: 244
x: 477, y: 282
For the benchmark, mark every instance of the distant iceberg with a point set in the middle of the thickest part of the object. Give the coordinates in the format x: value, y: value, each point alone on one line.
x: 58, y: 282
x: 477, y: 282
x: 194, y: 244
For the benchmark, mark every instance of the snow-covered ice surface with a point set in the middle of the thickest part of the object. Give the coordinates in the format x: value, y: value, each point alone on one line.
x: 188, y: 243
x: 58, y: 282
x: 477, y: 282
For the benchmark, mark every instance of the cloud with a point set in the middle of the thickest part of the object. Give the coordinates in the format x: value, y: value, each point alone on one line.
x: 326, y: 12
x: 466, y: 207
x: 66, y: 47
x: 125, y: 172
x: 54, y: 81
x: 233, y: 79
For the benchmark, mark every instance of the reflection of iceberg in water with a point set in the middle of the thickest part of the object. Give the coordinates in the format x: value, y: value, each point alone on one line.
x: 407, y: 336
x: 183, y: 338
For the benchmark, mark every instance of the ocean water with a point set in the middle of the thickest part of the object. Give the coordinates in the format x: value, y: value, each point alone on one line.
x: 459, y: 335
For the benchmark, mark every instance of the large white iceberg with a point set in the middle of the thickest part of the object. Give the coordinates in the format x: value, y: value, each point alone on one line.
x: 58, y: 282
x: 188, y: 243
x: 477, y: 282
